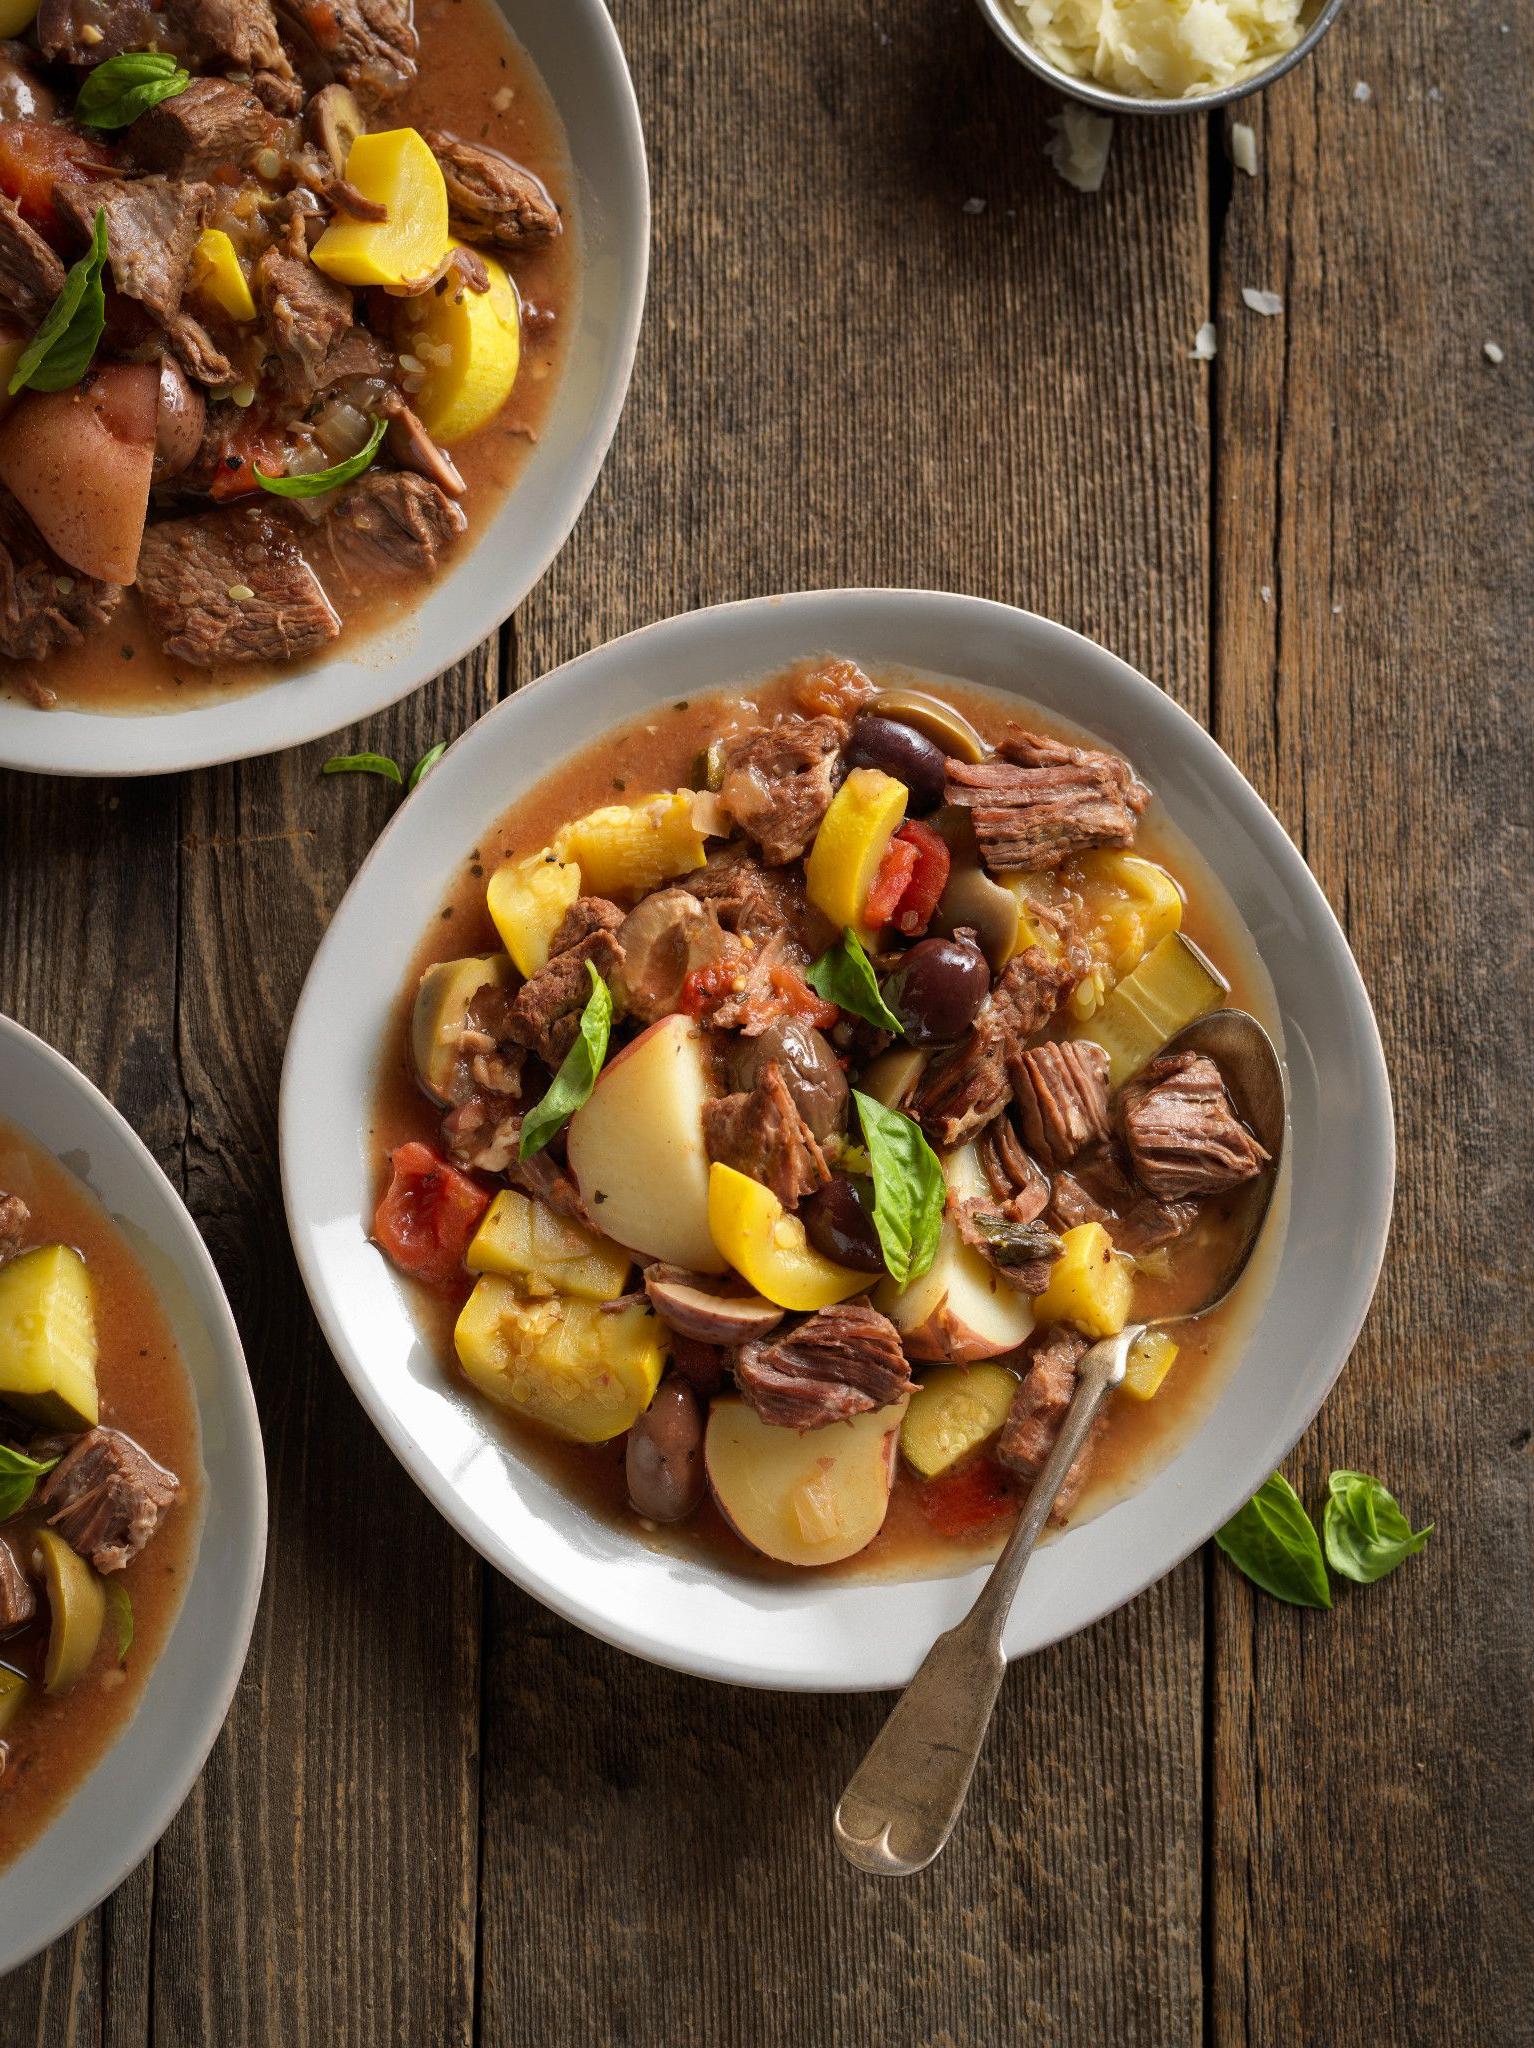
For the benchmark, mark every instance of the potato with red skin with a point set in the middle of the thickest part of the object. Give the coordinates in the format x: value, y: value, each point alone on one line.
x: 80, y: 462
x: 428, y: 1214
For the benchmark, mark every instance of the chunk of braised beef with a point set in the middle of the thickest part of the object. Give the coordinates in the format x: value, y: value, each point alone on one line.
x: 1018, y: 1182
x: 106, y: 1497
x: 87, y: 32
x: 966, y: 1089
x: 587, y: 914
x: 546, y: 1011
x: 15, y: 1216
x: 232, y: 586
x: 1182, y: 1133
x: 305, y: 313
x: 389, y: 524
x: 1062, y: 1098
x: 490, y: 198
x: 237, y: 36
x: 213, y: 122
x: 754, y: 902
x: 1038, y: 1409
x: 152, y: 225
x: 1099, y: 1189
x: 762, y: 1135
x: 779, y: 780
x: 369, y: 45
x: 18, y: 1596
x: 836, y: 1364
x: 43, y: 605
x: 482, y: 1132
x: 1043, y: 801
x: 31, y: 275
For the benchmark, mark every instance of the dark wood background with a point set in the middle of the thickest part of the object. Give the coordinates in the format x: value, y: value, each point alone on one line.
x: 438, y: 1816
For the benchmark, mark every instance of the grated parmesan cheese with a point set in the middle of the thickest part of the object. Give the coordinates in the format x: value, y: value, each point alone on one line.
x: 1079, y: 147
x: 1262, y: 302
x: 1161, y: 49
x: 1204, y: 343
x: 1243, y: 148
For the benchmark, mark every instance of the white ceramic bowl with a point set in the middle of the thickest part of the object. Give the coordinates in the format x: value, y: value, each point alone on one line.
x: 577, y: 52
x: 126, y: 1803
x: 814, y: 1633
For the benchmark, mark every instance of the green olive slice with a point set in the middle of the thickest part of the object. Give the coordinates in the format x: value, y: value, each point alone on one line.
x: 945, y: 727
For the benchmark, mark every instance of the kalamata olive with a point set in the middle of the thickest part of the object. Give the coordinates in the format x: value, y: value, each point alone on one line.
x: 663, y: 1461
x: 937, y: 988
x: 811, y: 1072
x: 901, y: 751
x: 838, y: 1221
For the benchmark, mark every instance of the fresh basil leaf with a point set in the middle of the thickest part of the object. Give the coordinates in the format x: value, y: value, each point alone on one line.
x: 577, y: 1076
x: 363, y: 764
x: 1366, y: 1534
x: 124, y: 87
x: 909, y: 1189
x: 19, y: 1475
x: 120, y: 1607
x: 318, y: 481
x: 845, y: 976
x: 1275, y: 1543
x: 60, y: 352
x: 425, y: 765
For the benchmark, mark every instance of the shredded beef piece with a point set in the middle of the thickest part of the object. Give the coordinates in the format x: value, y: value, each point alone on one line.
x: 546, y: 1014
x: 413, y: 448
x: 31, y: 275
x: 306, y: 312
x: 755, y: 902
x: 1038, y: 1409
x: 18, y: 1600
x: 1019, y: 1183
x: 121, y: 25
x: 490, y: 198
x: 1184, y: 1137
x: 188, y: 567
x: 837, y: 1364
x: 152, y: 224
x: 1022, y: 1253
x: 963, y: 1090
x: 214, y: 122
x: 14, y: 1218
x: 587, y: 914
x: 546, y: 1181
x: 762, y: 1134
x: 106, y: 1496
x: 43, y: 605
x: 388, y: 524
x: 1044, y: 801
x: 779, y: 781
x: 666, y: 937
x: 1031, y: 989
x: 482, y: 1131
x: 1062, y: 1097
x: 369, y: 45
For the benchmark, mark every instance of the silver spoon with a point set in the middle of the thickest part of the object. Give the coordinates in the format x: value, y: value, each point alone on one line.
x: 906, y: 1795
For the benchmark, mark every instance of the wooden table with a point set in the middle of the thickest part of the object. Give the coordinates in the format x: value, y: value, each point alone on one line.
x: 886, y: 345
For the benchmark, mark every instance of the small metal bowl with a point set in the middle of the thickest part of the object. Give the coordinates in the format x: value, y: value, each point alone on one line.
x: 1317, y: 15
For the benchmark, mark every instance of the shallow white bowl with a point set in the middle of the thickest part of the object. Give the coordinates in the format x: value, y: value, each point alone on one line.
x: 576, y: 50
x: 814, y: 1633
x: 126, y: 1803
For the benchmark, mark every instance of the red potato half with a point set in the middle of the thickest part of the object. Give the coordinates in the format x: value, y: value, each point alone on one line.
x: 80, y: 462
x: 960, y: 1310
x: 636, y: 1148
x: 804, y: 1500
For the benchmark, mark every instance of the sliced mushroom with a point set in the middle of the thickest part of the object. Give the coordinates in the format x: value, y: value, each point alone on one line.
x: 988, y: 909
x: 179, y: 422
x: 687, y: 1304
x: 335, y: 120
x: 944, y: 726
x: 413, y: 448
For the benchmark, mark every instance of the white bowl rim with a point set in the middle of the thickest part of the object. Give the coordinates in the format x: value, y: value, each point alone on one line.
x: 360, y: 682
x: 246, y: 1447
x: 1377, y: 1113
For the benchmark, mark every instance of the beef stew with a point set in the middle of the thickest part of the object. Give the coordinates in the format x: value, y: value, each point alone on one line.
x: 770, y: 1146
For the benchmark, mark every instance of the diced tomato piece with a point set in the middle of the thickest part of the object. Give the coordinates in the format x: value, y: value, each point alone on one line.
x: 929, y: 878
x: 973, y: 1497
x: 707, y: 986
x: 890, y: 883
x: 35, y: 156
x: 800, y: 1000
x: 428, y: 1214
x: 252, y: 442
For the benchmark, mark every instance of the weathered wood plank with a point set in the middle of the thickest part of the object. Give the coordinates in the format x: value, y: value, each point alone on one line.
x: 1371, y: 1800
x: 846, y: 377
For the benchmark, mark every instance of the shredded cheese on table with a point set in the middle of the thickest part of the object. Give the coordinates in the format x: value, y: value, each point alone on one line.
x: 1161, y: 49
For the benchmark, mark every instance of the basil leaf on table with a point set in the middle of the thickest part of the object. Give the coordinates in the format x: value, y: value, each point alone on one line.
x: 363, y: 764
x: 315, y: 482
x: 60, y: 352
x: 909, y: 1189
x: 1367, y: 1536
x: 845, y: 976
x: 577, y: 1075
x: 120, y: 1607
x: 425, y: 765
x: 124, y: 87
x: 19, y: 1475
x: 1274, y: 1542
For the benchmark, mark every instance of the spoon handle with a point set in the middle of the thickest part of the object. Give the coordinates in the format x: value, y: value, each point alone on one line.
x: 902, y: 1802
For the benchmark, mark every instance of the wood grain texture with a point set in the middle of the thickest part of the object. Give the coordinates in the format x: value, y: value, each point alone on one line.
x: 441, y: 1816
